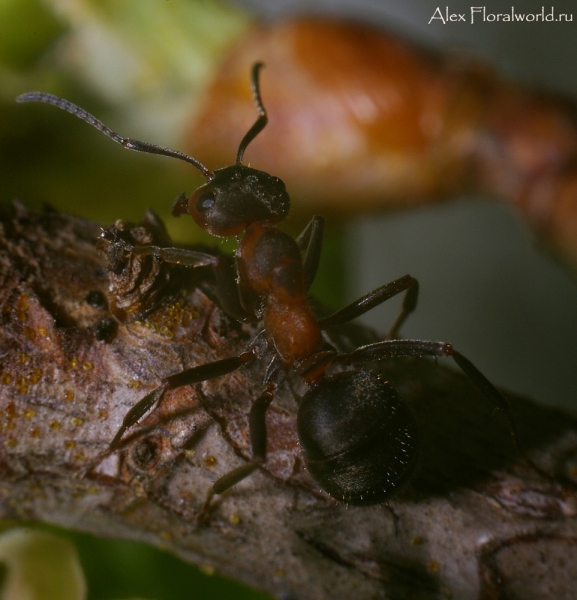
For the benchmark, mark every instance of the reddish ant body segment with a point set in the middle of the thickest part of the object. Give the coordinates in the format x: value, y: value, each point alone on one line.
x: 359, y: 439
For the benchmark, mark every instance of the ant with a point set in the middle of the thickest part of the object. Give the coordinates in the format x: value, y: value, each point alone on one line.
x: 359, y: 439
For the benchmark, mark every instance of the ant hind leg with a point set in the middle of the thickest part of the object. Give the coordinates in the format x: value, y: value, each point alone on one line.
x: 421, y: 348
x: 258, y: 436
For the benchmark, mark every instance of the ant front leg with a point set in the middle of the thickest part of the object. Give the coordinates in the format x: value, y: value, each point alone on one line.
x: 179, y: 256
x: 372, y: 299
x: 258, y: 436
x: 186, y: 377
x: 310, y: 241
x: 226, y: 284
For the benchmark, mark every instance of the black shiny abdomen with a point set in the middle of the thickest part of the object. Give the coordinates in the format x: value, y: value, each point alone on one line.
x: 358, y: 437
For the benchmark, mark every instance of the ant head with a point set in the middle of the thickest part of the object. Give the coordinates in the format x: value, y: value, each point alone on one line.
x: 236, y: 197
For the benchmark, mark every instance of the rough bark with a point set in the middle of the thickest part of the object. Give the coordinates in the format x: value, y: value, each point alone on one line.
x: 81, y: 344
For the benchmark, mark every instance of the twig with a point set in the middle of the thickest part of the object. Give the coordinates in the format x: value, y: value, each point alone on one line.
x: 475, y: 522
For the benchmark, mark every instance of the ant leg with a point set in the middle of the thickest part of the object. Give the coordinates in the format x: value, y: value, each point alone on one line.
x: 369, y: 301
x: 304, y: 236
x: 226, y: 285
x: 408, y: 306
x: 228, y: 291
x: 418, y: 348
x: 310, y: 242
x: 186, y: 377
x: 257, y: 430
x: 180, y: 256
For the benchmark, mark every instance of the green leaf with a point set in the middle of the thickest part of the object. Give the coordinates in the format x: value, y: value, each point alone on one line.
x: 40, y: 566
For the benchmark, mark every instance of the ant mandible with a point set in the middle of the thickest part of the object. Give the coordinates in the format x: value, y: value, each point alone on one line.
x: 359, y: 439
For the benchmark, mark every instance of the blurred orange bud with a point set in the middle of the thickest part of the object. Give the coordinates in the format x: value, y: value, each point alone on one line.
x: 360, y: 120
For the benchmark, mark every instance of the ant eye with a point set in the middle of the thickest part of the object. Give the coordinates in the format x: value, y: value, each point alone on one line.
x: 205, y: 201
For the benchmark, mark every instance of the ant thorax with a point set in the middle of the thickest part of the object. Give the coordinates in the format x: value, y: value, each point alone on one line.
x: 270, y: 272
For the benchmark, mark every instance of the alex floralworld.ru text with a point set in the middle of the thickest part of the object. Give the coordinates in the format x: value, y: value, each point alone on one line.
x: 480, y: 14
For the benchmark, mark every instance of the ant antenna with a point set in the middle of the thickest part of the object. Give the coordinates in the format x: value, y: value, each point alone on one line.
x: 127, y: 143
x: 261, y: 122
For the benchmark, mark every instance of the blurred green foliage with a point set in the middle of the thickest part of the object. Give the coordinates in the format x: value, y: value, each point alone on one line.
x: 27, y: 28
x: 137, y: 570
x: 120, y: 570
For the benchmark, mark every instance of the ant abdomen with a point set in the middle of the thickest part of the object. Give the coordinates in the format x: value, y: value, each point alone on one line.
x: 358, y: 437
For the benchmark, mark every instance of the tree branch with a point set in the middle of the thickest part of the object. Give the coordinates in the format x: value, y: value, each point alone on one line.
x: 475, y: 522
